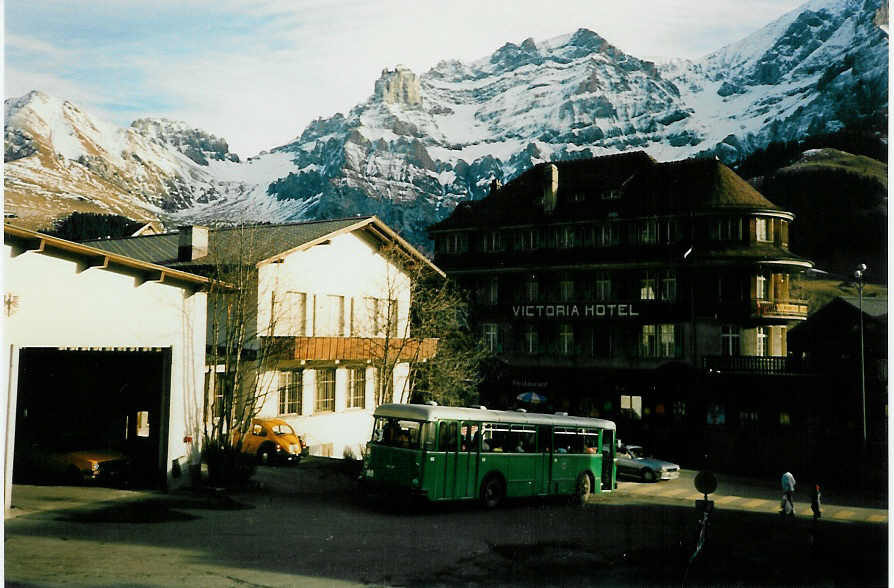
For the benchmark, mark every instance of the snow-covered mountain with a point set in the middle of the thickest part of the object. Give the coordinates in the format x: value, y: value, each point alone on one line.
x: 422, y: 143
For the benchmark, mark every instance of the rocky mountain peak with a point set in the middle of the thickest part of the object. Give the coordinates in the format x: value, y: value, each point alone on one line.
x: 511, y: 56
x: 196, y: 144
x: 399, y: 86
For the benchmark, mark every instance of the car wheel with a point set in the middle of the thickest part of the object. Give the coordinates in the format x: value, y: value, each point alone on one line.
x: 492, y: 492
x: 265, y: 455
x: 583, y: 488
x: 647, y: 475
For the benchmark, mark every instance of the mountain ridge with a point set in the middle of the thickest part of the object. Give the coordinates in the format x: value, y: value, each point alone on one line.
x: 421, y: 143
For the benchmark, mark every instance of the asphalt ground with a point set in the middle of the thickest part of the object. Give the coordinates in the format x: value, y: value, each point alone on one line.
x: 303, y: 526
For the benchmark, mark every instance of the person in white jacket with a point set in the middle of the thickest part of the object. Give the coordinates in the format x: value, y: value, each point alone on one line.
x: 788, y: 488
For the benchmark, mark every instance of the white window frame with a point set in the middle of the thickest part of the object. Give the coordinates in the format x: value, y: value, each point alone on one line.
x: 324, y: 392
x: 669, y: 286
x: 760, y: 342
x: 730, y: 340
x: 490, y: 334
x: 761, y: 231
x: 566, y: 339
x: 603, y: 286
x: 356, y: 397
x: 647, y: 287
x: 290, y: 390
x: 532, y: 340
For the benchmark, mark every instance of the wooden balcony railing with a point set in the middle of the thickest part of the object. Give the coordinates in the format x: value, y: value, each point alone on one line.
x: 790, y: 308
x: 353, y: 348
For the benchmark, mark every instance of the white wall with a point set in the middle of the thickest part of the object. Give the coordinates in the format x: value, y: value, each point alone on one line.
x: 348, y: 266
x: 57, y: 305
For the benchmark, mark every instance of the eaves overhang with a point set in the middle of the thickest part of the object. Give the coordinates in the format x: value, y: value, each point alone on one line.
x: 97, y: 258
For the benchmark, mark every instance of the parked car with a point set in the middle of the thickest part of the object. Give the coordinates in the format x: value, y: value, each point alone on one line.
x: 632, y: 461
x: 107, y: 467
x: 273, y: 441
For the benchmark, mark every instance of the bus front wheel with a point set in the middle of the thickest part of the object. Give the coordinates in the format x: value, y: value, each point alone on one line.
x: 492, y: 491
x: 583, y: 488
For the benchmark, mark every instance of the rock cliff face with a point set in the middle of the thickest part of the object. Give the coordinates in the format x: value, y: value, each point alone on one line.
x: 423, y: 143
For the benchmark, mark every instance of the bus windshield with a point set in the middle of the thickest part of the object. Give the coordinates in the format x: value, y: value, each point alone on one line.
x: 396, y: 432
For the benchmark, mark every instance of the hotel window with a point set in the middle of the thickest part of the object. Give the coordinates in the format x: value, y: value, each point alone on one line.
x: 716, y: 414
x: 356, y: 388
x: 490, y: 335
x: 760, y: 288
x: 760, y: 344
x: 566, y: 339
x: 566, y: 237
x: 325, y: 399
x: 603, y: 286
x: 532, y: 289
x: 528, y: 239
x: 667, y: 342
x: 492, y: 241
x: 647, y: 287
x: 785, y: 418
x: 730, y: 341
x: 648, y: 232
x: 532, y: 340
x: 566, y: 290
x: 668, y: 286
x: 611, y: 195
x: 748, y: 418
x: 607, y: 235
x: 679, y: 410
x: 762, y: 231
x: 603, y: 342
x: 667, y: 231
x: 493, y: 291
x: 649, y: 341
x: 290, y: 391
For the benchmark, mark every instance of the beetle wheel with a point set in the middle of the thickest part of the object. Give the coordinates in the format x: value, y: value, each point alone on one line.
x: 264, y: 455
x: 492, y: 492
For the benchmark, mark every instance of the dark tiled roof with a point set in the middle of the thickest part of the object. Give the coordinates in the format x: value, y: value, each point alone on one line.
x: 253, y: 243
x: 690, y: 185
x: 647, y: 188
x: 872, y: 306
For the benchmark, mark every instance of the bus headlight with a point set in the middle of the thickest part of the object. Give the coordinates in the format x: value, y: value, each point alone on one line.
x: 415, y: 481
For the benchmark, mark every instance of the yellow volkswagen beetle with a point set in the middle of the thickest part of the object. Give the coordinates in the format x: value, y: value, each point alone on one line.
x: 273, y: 441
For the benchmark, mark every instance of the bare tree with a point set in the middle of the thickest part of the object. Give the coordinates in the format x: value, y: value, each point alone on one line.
x: 420, y: 323
x: 241, y: 350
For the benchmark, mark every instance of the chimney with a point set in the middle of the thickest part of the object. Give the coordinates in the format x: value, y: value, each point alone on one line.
x: 550, y: 188
x: 193, y: 243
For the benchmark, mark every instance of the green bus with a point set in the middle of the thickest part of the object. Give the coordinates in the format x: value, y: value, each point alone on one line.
x: 452, y: 453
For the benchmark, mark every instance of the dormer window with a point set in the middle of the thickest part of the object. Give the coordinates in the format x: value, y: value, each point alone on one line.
x: 611, y: 195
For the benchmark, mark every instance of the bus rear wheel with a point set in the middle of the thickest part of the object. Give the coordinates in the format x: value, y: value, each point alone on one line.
x: 492, y: 492
x: 583, y: 488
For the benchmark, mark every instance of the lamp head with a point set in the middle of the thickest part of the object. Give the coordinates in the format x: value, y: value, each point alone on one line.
x: 861, y: 268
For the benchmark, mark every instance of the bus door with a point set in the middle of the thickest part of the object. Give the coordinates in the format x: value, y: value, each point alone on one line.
x: 524, y: 461
x: 465, y: 485
x: 564, y: 467
x: 608, y: 459
x: 545, y: 449
x: 448, y: 443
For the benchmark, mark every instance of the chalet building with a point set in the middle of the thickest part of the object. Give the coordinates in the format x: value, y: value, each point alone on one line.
x: 106, y: 355
x: 331, y: 296
x: 656, y: 294
x: 830, y: 342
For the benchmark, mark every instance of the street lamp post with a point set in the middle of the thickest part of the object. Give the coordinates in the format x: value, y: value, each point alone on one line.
x: 858, y: 274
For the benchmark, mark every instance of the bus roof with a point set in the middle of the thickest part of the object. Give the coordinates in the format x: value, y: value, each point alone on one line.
x: 426, y: 412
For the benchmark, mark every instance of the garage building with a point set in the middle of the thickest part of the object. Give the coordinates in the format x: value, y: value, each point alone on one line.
x: 101, y: 350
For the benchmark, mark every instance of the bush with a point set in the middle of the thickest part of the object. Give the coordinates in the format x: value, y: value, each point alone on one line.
x: 227, y: 466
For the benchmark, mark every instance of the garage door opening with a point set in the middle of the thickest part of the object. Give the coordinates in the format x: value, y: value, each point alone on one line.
x: 97, y: 416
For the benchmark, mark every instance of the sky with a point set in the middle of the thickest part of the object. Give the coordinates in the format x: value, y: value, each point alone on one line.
x: 256, y: 72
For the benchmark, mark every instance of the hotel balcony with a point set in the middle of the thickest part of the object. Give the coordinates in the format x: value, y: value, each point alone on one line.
x: 790, y: 309
x: 756, y: 365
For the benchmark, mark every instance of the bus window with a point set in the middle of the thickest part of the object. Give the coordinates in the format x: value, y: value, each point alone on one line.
x: 428, y: 435
x: 495, y: 438
x: 591, y: 440
x: 396, y: 433
x: 451, y: 437
x: 469, y: 435
x: 523, y: 438
x: 443, y: 434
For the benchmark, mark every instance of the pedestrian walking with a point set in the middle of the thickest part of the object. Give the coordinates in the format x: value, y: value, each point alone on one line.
x: 787, y: 508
